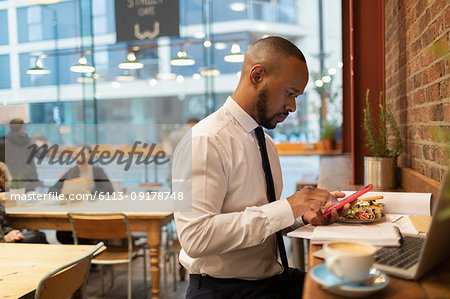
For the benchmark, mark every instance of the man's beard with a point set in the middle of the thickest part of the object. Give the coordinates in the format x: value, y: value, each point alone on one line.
x: 261, y: 111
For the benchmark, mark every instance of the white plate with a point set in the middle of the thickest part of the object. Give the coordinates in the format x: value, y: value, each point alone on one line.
x: 324, y: 277
x: 362, y: 221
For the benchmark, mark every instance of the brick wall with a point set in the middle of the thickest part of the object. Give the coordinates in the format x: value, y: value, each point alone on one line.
x: 417, y: 81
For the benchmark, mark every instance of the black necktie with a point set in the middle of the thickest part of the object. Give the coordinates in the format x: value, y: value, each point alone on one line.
x: 270, y: 190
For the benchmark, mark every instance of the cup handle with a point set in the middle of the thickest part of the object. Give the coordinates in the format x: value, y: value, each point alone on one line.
x: 333, y: 263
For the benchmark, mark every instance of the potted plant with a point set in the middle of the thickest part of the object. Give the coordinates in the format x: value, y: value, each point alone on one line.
x: 17, y: 186
x: 328, y: 135
x: 380, y: 168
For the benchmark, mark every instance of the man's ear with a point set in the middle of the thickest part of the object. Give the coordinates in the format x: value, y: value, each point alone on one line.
x: 256, y: 74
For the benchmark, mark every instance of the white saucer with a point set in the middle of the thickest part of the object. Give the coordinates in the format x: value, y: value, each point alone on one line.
x: 324, y: 277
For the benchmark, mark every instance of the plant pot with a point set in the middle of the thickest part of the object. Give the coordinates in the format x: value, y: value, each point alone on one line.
x: 380, y: 172
x: 328, y: 144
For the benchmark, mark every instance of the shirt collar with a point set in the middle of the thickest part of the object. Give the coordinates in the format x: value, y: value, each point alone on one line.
x: 242, y: 117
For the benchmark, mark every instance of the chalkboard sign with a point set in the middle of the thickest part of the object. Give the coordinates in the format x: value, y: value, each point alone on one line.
x: 146, y: 19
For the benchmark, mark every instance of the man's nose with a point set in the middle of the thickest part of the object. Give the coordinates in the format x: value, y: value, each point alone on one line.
x: 291, y: 106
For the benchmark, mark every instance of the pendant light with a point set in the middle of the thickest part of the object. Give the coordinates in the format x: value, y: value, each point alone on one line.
x: 166, y: 76
x: 82, y: 66
x: 125, y: 77
x: 207, y: 72
x: 38, y: 68
x: 131, y: 63
x: 235, y: 55
x: 238, y: 6
x: 182, y: 59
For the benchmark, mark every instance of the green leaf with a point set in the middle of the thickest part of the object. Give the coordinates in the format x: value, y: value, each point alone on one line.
x: 377, y: 141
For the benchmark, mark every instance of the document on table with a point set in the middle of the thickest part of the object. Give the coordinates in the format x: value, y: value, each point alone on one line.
x: 382, y: 234
x: 404, y: 203
x: 397, y: 207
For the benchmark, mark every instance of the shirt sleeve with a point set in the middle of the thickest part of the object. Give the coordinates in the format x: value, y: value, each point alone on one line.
x: 297, y: 223
x: 203, y: 229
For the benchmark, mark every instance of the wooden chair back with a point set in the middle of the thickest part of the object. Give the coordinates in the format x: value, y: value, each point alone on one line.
x: 66, y: 279
x: 99, y: 226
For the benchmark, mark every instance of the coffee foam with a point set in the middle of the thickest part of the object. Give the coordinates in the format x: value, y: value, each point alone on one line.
x: 351, y: 248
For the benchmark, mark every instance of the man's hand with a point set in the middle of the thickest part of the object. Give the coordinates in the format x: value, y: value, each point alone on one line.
x: 308, y: 199
x: 316, y: 218
x: 13, y: 236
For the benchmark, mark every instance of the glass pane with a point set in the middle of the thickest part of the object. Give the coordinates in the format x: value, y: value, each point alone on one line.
x: 5, y: 80
x: 3, y: 27
x: 35, y: 32
x: 100, y: 25
x: 99, y: 7
x: 34, y: 15
x: 59, y: 20
x: 159, y: 92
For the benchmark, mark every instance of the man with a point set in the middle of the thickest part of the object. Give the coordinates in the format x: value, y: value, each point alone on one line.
x: 229, y: 238
x: 97, y: 180
x: 17, y: 156
x: 7, y: 233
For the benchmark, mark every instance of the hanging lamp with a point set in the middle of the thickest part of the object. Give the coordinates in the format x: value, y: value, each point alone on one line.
x: 235, y: 55
x: 182, y: 59
x: 131, y: 63
x: 38, y: 68
x: 82, y: 66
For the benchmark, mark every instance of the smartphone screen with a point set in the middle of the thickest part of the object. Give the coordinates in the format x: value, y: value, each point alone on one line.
x: 352, y: 197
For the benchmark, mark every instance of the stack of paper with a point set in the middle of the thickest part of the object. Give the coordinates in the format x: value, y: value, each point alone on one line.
x: 396, y: 206
x: 405, y: 203
x: 383, y: 234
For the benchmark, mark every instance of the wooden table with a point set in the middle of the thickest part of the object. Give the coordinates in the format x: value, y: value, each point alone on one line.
x: 22, y: 266
x: 151, y: 223
x: 435, y: 284
x: 314, y: 152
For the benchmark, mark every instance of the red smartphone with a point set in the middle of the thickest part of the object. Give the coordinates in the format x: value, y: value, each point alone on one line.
x: 352, y: 197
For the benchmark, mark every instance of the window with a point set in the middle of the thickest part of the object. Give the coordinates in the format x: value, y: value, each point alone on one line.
x: 103, y: 12
x: 44, y: 22
x: 188, y: 93
x: 34, y: 21
x: 5, y: 80
x: 160, y: 93
x: 3, y: 27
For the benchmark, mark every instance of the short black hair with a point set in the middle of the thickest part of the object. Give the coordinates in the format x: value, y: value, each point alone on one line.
x: 16, y: 124
x: 280, y: 45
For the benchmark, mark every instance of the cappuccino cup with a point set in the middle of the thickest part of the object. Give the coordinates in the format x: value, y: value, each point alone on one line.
x: 351, y: 261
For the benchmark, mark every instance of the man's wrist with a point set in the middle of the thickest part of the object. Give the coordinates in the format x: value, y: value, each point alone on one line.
x: 303, y: 219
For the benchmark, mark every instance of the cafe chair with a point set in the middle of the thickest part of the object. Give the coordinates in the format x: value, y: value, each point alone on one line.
x: 107, y: 227
x: 171, y: 251
x: 66, y: 279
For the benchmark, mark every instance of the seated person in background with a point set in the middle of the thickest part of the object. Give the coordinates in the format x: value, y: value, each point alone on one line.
x: 7, y: 233
x: 5, y: 177
x: 17, y: 153
x: 97, y: 181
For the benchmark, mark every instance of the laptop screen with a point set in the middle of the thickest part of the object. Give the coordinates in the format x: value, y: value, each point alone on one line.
x: 437, y: 246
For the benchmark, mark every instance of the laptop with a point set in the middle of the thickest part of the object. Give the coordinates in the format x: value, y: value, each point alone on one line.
x: 417, y: 255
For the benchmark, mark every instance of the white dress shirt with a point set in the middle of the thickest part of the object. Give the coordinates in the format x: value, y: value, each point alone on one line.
x: 230, y: 230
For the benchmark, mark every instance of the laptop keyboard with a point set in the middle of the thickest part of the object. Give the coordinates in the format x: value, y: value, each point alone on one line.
x: 402, y: 257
